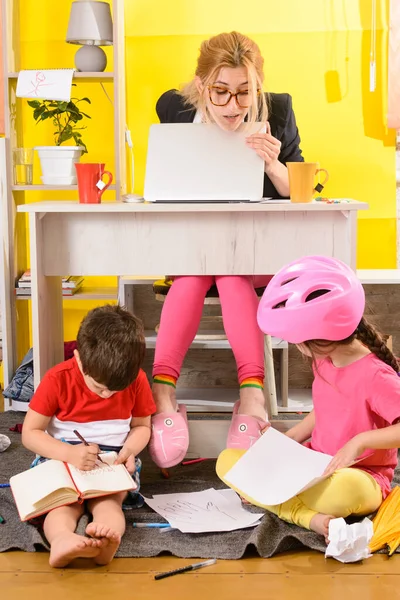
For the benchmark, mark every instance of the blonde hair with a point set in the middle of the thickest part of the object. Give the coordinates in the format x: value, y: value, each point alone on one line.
x: 230, y: 50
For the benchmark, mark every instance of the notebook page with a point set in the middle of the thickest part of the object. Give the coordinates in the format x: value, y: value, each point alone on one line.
x: 276, y: 468
x: 34, y: 485
x: 104, y: 477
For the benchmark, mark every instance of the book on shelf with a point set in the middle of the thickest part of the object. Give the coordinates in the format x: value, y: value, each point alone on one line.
x: 54, y: 483
x: 68, y: 282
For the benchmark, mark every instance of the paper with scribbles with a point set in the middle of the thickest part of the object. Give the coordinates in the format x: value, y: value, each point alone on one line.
x: 206, y: 511
x: 45, y: 84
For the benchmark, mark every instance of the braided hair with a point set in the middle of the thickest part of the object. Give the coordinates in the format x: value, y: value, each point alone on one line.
x: 370, y: 337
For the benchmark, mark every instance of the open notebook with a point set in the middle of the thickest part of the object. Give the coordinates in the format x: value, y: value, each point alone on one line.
x: 54, y: 483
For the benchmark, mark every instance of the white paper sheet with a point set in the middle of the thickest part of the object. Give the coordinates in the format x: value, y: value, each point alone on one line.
x: 45, y: 84
x: 276, y: 468
x: 206, y: 511
x: 349, y: 543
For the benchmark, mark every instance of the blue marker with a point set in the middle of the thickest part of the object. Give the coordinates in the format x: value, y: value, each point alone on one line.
x: 4, y: 485
x: 155, y: 525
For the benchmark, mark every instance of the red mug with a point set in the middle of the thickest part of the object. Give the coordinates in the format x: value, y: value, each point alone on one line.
x: 89, y: 174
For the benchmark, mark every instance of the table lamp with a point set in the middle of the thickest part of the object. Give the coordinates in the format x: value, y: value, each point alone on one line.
x: 90, y: 24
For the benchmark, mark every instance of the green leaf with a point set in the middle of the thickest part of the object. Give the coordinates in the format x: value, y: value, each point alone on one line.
x: 85, y: 100
x: 65, y: 136
x: 34, y: 103
x: 38, y: 112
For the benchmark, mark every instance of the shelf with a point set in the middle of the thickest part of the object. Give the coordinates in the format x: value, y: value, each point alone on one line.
x: 88, y: 293
x: 84, y: 76
x: 379, y: 276
x: 214, y: 344
x: 48, y: 188
x: 209, y: 400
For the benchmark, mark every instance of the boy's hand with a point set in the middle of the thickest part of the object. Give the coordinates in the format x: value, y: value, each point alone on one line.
x: 126, y: 457
x: 83, y: 457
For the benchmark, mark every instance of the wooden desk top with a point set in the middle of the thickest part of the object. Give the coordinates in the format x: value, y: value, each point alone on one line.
x: 60, y: 206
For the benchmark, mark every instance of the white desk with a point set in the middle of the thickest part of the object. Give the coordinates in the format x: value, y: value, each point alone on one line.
x: 182, y: 239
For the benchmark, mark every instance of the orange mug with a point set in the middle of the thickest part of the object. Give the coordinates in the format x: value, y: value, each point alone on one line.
x: 89, y: 175
x: 301, y: 180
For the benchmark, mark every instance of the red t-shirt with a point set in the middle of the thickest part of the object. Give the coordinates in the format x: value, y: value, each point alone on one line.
x: 64, y: 396
x: 362, y: 396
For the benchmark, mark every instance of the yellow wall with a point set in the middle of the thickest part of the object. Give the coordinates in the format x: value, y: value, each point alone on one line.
x: 317, y: 50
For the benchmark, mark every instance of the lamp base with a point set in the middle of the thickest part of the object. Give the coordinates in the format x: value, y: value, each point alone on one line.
x: 90, y: 58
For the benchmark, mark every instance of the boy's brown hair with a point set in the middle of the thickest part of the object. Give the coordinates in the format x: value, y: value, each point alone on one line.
x: 111, y: 346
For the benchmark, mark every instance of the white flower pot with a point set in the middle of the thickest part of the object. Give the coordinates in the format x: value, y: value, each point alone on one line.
x: 58, y: 164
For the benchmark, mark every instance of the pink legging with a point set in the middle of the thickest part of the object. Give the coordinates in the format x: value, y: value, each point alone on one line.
x: 181, y: 315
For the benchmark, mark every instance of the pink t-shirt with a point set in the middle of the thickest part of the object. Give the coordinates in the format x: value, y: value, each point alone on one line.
x: 348, y: 400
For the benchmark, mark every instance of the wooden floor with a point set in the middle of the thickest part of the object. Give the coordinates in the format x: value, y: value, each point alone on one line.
x: 303, y: 575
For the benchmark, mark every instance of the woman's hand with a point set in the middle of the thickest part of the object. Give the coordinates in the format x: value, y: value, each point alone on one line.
x: 267, y: 146
x: 346, y: 456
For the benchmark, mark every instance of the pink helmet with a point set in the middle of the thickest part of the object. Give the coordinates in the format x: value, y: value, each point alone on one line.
x: 286, y: 309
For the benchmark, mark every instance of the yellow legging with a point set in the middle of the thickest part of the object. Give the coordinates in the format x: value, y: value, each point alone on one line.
x: 346, y: 492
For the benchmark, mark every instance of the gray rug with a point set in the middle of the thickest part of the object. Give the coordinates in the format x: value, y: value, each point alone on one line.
x: 271, y: 537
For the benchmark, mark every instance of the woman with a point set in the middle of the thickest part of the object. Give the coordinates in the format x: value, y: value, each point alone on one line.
x: 226, y: 90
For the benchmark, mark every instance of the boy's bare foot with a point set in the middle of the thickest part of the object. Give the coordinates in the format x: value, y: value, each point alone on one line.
x: 67, y: 546
x: 110, y: 536
x: 320, y: 524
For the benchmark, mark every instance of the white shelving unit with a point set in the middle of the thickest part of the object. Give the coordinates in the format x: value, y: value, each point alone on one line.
x: 12, y: 195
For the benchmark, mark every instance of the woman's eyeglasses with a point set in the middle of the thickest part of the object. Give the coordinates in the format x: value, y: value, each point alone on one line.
x: 220, y: 96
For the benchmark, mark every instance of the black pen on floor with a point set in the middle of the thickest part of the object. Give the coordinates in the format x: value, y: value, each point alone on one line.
x: 193, y: 567
x: 78, y: 435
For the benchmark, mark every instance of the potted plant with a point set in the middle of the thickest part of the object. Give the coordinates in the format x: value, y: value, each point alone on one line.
x: 58, y: 162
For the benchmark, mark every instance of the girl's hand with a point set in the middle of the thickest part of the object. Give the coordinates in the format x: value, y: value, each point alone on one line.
x: 126, y: 457
x: 267, y: 426
x: 266, y: 146
x: 346, y: 456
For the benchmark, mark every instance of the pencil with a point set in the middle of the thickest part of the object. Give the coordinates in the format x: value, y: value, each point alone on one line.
x: 78, y: 435
x: 155, y: 525
x: 193, y: 461
x: 199, y: 565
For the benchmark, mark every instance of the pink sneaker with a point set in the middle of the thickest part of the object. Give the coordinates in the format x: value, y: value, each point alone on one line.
x: 244, y: 430
x: 169, y: 438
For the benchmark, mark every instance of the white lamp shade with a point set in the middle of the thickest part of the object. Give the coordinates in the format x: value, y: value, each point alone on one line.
x: 90, y: 23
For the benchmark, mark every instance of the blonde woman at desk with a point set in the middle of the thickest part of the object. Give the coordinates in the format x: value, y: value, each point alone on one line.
x: 226, y: 90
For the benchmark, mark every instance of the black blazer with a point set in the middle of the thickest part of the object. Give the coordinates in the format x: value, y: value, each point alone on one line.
x: 171, y: 109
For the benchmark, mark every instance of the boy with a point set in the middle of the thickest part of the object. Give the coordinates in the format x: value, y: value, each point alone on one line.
x: 103, y: 393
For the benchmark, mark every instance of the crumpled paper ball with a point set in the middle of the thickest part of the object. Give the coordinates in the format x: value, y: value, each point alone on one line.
x: 5, y: 442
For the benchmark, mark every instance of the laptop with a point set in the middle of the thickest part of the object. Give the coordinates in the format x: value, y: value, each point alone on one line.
x: 200, y: 162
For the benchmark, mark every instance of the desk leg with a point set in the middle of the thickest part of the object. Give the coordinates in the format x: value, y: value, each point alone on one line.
x: 269, y: 383
x: 47, y: 309
x: 352, y: 234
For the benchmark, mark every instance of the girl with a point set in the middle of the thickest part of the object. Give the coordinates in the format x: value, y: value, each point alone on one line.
x: 226, y: 90
x: 317, y: 303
